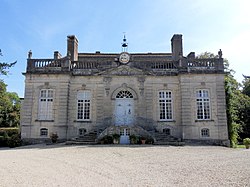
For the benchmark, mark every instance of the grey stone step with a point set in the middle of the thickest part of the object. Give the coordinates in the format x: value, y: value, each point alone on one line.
x: 170, y: 143
x: 79, y: 143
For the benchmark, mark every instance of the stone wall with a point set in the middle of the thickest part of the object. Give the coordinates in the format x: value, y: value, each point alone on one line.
x: 145, y: 88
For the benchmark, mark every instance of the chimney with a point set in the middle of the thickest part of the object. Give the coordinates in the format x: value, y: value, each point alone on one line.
x: 72, y: 47
x: 57, y: 55
x: 191, y: 55
x: 176, y: 44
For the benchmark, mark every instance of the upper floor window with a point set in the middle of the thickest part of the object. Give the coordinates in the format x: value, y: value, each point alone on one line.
x: 165, y: 105
x: 203, y: 104
x: 46, y: 104
x: 83, y: 105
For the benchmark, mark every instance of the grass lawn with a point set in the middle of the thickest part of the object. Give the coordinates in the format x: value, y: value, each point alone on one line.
x: 240, y: 146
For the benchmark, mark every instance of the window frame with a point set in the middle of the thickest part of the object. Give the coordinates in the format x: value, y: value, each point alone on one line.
x: 42, y: 130
x: 203, y: 105
x: 46, y: 104
x: 83, y: 105
x: 165, y: 105
x: 205, y: 133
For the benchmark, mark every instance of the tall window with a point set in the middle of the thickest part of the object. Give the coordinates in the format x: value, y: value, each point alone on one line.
x: 165, y: 104
x: 46, y: 104
x: 203, y: 104
x: 83, y: 105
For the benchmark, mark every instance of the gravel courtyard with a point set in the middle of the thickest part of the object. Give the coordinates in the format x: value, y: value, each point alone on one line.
x: 60, y: 165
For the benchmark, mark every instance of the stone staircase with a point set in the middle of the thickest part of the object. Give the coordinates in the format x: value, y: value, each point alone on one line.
x: 164, y: 139
x: 87, y: 139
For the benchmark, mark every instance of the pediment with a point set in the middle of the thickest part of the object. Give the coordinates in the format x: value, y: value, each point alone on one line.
x: 124, y: 70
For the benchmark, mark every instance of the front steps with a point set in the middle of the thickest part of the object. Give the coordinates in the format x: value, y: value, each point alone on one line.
x: 86, y: 139
x: 160, y: 138
x: 164, y: 139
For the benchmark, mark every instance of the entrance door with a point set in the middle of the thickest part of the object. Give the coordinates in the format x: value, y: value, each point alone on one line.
x: 124, y: 136
x: 124, y: 111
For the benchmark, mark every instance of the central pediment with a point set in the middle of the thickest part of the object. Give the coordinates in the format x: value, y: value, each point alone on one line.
x: 124, y: 70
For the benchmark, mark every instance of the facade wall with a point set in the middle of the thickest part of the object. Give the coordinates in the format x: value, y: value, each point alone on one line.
x: 31, y: 125
x: 104, y: 75
x: 217, y: 125
x: 146, y: 104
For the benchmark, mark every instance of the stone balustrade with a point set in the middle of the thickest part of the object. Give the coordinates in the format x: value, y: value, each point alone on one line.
x: 164, y: 65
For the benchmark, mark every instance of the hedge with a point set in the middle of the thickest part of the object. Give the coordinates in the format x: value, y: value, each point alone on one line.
x: 9, y: 131
x: 10, y: 137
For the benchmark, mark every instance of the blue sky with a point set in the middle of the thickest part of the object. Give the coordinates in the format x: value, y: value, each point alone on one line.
x: 42, y: 26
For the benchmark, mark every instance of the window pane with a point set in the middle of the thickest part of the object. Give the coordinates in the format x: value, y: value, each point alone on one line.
x: 43, y: 93
x: 50, y: 93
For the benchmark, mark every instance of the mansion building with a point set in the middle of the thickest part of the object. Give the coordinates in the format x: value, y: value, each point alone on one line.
x: 145, y: 94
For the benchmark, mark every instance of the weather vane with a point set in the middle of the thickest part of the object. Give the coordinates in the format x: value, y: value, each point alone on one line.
x: 124, y: 43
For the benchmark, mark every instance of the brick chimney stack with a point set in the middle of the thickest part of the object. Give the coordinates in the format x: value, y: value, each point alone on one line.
x: 72, y: 47
x: 176, y: 44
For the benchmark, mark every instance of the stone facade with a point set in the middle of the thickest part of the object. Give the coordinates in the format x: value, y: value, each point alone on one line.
x: 107, y: 93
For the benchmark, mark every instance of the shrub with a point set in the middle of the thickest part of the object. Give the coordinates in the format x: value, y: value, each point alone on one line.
x: 133, y: 139
x: 3, y: 139
x: 9, y: 131
x: 149, y: 140
x: 116, y: 136
x: 54, y: 137
x: 246, y: 141
x: 107, y: 139
x: 14, y: 140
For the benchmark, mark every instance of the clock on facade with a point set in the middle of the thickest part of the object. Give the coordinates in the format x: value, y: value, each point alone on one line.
x: 124, y: 57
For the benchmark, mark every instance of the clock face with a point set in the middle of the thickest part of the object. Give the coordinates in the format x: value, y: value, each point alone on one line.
x: 124, y: 58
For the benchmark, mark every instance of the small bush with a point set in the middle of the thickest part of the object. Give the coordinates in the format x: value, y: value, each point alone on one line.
x: 246, y: 141
x: 54, y: 137
x: 14, y: 140
x: 9, y: 131
x: 107, y: 139
x: 116, y: 136
x: 4, y: 139
x: 149, y: 140
x: 133, y: 139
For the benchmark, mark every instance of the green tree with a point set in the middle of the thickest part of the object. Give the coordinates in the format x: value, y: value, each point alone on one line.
x: 4, y: 66
x: 9, y: 102
x: 9, y: 107
x: 244, y: 109
x: 246, y: 86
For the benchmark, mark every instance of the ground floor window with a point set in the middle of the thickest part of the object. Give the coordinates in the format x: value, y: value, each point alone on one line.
x: 45, y: 111
x: 205, y: 132
x: 165, y: 105
x: 83, y: 105
x: 82, y: 131
x: 166, y: 131
x: 43, y: 132
x: 203, y: 105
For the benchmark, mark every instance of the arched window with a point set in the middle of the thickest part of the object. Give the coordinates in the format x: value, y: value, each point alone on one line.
x: 166, y: 131
x: 124, y: 94
x: 205, y: 132
x: 43, y: 132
